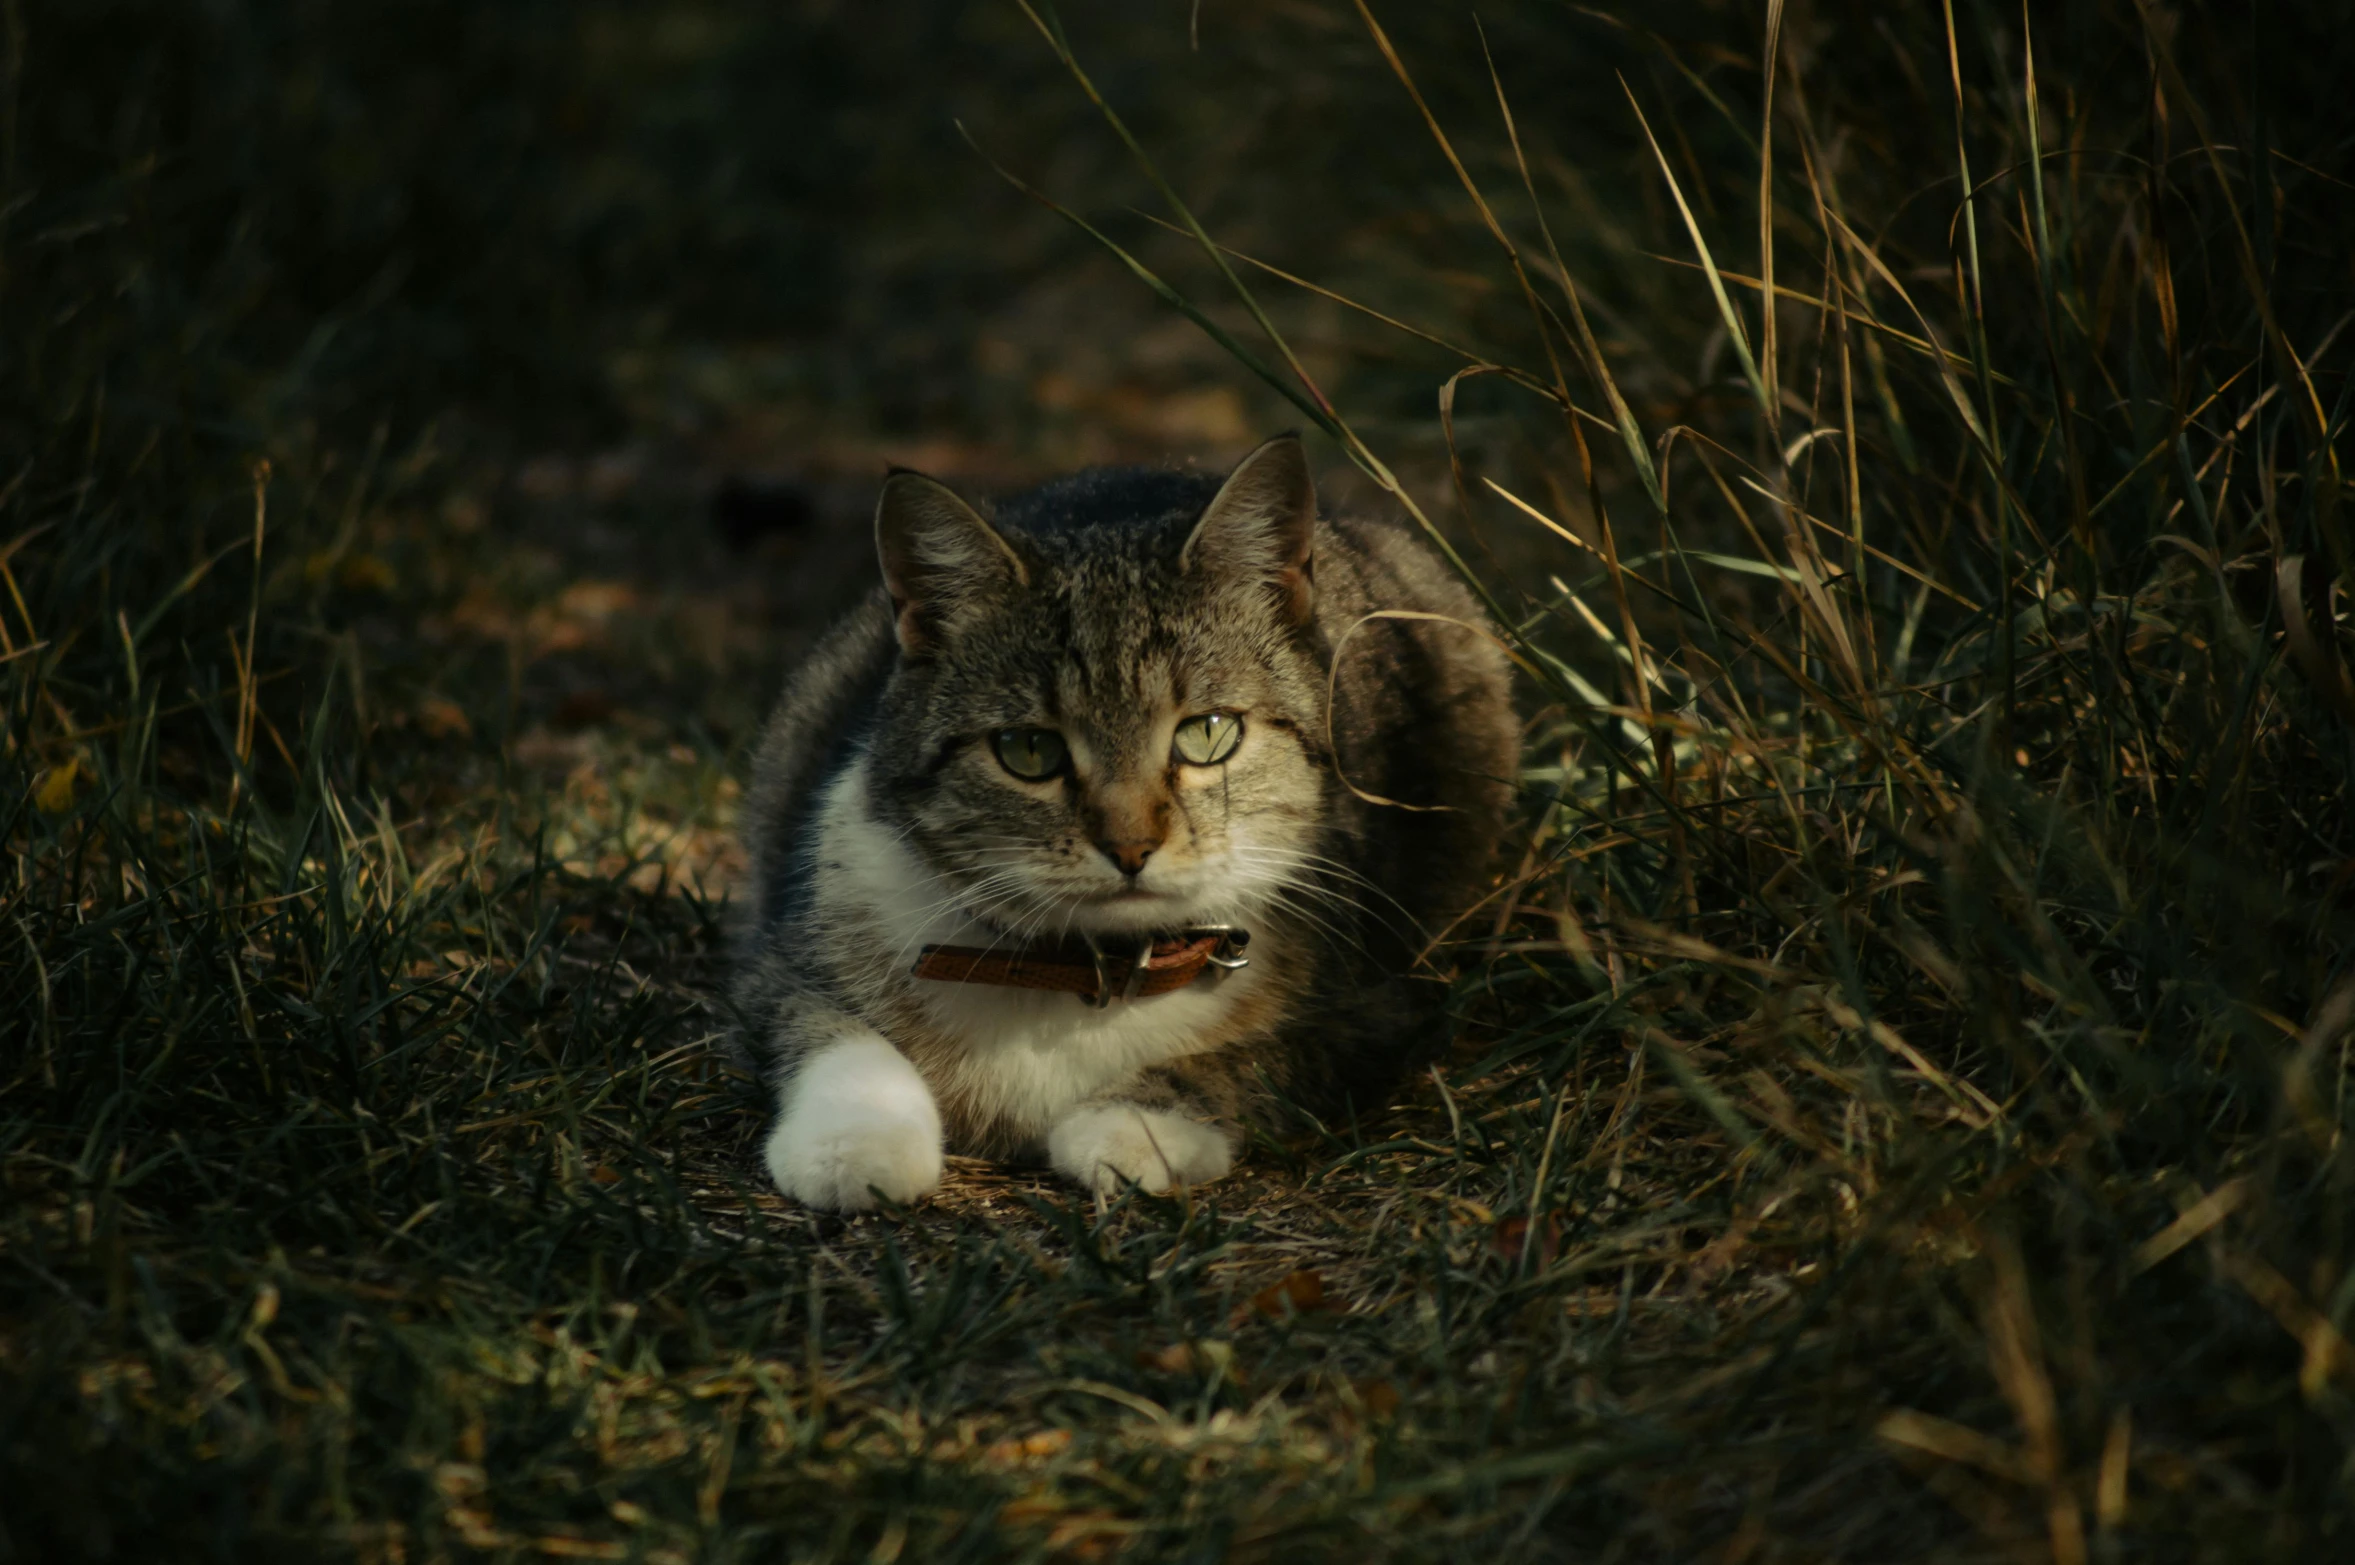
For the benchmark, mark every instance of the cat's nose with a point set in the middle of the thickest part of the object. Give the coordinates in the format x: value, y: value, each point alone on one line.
x: 1128, y: 854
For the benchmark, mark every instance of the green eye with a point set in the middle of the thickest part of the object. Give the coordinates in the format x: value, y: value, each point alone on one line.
x: 1208, y: 739
x: 1033, y: 754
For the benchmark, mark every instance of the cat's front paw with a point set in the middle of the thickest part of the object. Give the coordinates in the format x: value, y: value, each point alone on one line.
x: 857, y: 1120
x: 1100, y: 1147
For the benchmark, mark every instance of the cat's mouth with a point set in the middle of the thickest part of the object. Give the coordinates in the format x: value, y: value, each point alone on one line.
x: 1133, y: 910
x: 1130, y: 900
x: 1156, y: 902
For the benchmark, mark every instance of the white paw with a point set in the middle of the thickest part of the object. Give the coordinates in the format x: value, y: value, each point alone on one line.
x: 856, y: 1119
x: 1100, y: 1147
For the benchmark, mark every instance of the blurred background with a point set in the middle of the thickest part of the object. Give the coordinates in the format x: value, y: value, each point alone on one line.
x: 634, y: 280
x: 658, y: 289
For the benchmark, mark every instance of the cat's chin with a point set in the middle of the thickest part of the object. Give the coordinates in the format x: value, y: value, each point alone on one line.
x: 1139, y: 913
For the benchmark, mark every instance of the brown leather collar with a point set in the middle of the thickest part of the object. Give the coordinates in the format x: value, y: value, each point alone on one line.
x: 1160, y: 965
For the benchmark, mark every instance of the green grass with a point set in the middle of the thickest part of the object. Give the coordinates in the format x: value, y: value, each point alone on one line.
x: 1901, y: 1106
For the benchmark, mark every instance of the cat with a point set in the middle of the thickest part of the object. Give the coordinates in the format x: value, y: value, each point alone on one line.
x: 1063, y: 843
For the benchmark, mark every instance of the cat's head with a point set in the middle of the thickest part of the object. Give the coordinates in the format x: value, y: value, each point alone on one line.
x: 1108, y: 712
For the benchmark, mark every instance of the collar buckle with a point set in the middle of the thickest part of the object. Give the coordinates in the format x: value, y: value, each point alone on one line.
x: 1121, y: 976
x: 1226, y: 954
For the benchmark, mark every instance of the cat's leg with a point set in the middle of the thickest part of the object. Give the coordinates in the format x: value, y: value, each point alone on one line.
x: 1160, y: 1131
x: 853, y: 1117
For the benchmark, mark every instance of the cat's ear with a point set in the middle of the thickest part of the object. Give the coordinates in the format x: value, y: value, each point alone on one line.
x: 938, y: 556
x: 1261, y: 524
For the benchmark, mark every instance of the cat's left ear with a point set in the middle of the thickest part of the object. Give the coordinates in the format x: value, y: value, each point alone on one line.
x: 1261, y: 523
x: 938, y: 557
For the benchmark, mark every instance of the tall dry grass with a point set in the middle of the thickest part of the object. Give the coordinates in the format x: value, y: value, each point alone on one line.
x: 1942, y: 779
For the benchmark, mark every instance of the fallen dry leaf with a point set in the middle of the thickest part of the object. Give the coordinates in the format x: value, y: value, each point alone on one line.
x: 1176, y: 1359
x: 443, y: 718
x: 1028, y: 1448
x: 1511, y: 1238
x: 1071, y: 1534
x: 1191, y: 1358
x: 1297, y: 1294
x: 55, y: 795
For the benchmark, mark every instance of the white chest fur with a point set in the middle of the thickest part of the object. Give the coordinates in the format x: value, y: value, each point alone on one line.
x: 1022, y: 1058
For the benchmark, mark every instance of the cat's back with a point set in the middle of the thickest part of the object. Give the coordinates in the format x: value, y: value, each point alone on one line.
x: 829, y: 700
x: 1425, y: 741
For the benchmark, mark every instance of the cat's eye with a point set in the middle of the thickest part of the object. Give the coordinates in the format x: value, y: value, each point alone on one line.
x: 1208, y: 739
x: 1033, y: 754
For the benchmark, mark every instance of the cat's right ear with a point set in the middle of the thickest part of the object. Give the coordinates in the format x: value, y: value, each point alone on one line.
x: 938, y: 557
x: 1261, y: 525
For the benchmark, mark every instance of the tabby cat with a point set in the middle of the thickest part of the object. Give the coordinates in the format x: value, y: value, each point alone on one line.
x: 1109, y: 824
